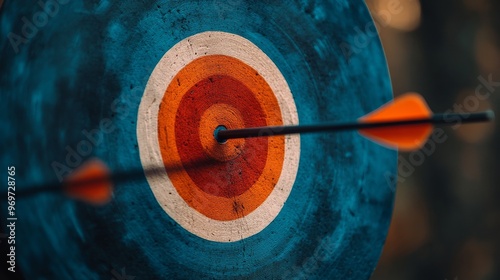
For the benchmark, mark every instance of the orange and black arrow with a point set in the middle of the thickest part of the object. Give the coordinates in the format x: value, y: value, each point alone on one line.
x: 404, y: 124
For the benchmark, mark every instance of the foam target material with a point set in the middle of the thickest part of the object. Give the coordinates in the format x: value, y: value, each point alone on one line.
x: 113, y: 80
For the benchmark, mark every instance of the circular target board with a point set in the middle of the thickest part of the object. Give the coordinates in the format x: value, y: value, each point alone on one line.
x: 227, y: 191
x: 145, y: 85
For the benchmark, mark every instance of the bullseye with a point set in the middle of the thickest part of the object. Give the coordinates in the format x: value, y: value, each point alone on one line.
x: 215, y: 117
x: 205, y: 83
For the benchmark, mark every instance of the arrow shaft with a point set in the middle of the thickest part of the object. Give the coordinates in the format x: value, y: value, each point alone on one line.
x: 116, y: 177
x: 265, y: 131
x: 131, y: 175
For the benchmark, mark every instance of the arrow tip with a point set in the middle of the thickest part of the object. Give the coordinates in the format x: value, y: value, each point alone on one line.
x: 490, y: 115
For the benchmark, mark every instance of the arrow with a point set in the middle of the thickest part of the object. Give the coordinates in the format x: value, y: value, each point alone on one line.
x: 403, y: 124
x: 93, y: 182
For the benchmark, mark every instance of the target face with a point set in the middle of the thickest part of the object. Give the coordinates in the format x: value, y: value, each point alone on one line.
x: 218, y: 191
x: 143, y: 85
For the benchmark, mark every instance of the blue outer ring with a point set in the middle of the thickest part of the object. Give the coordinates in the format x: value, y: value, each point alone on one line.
x: 91, y: 62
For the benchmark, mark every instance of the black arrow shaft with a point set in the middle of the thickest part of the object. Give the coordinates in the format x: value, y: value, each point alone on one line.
x: 437, y: 119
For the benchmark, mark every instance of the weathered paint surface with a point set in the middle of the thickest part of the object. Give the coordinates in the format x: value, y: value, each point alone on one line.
x: 85, y: 69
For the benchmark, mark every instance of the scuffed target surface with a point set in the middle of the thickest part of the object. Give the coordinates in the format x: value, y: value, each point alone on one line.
x: 86, y: 70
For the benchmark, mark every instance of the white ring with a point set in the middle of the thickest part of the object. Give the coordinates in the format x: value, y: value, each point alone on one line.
x: 180, y: 55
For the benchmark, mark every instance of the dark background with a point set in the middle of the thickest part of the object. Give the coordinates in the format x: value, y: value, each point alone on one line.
x: 446, y: 221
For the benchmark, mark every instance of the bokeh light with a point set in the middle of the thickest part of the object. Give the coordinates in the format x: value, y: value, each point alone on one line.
x: 487, y: 52
x: 404, y: 15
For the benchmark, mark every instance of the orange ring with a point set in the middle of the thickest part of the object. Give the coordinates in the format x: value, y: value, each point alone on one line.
x: 212, y: 206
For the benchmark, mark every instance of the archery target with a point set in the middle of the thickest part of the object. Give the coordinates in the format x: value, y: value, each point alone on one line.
x: 218, y: 191
x: 146, y: 83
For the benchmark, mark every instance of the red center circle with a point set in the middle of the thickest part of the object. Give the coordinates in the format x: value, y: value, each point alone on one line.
x: 220, y: 178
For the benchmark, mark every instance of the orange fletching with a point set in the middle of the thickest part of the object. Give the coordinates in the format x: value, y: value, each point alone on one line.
x: 90, y: 183
x: 409, y: 137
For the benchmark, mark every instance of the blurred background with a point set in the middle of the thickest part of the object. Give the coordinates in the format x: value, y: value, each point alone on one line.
x: 446, y: 222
